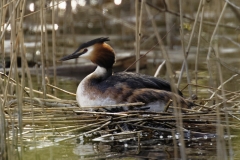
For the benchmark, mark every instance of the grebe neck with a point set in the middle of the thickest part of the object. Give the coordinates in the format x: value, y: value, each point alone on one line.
x: 101, y: 73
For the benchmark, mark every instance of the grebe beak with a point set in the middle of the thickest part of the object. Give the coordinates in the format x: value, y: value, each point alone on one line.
x: 74, y: 55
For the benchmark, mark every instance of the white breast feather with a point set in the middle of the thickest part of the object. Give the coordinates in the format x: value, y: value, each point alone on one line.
x: 84, y: 100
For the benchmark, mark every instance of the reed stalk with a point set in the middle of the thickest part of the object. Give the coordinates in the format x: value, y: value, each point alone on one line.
x: 46, y: 50
x: 211, y: 41
x: 20, y: 89
x: 153, y: 47
x: 198, y: 45
x: 177, y: 112
x: 137, y: 37
x: 159, y: 68
x: 14, y: 37
x: 2, y: 22
x: 185, y: 52
x: 43, y: 47
x: 54, y: 47
x: 220, y: 142
x: 13, y: 82
x: 3, y: 142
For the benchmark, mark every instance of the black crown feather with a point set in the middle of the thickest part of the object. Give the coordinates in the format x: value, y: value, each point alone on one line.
x: 94, y: 41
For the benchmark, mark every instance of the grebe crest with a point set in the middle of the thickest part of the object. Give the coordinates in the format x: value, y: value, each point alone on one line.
x: 102, y: 87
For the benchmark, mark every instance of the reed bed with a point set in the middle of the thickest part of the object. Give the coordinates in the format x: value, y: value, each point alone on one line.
x: 31, y: 115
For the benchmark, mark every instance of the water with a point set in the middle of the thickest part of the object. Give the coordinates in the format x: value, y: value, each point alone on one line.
x: 160, y: 149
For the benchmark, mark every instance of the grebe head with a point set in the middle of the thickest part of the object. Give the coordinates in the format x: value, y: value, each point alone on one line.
x: 95, y: 50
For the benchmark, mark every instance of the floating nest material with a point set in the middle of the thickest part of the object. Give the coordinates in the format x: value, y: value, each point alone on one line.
x: 61, y: 120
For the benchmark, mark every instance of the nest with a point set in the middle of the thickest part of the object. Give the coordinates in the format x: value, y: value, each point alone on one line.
x: 61, y: 120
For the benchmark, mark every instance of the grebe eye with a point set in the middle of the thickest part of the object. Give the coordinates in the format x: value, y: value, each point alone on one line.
x: 85, y: 50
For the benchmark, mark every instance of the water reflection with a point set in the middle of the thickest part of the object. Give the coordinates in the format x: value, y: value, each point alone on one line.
x: 152, y: 149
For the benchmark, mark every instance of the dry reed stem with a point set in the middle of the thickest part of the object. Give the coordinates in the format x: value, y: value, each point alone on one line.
x: 28, y: 90
x: 219, y: 69
x: 137, y: 37
x: 62, y: 90
x: 101, y: 113
x: 170, y: 75
x: 20, y: 90
x: 148, y: 50
x: 214, y: 88
x: 138, y: 32
x: 211, y: 42
x: 198, y: 44
x: 117, y: 105
x: 54, y: 47
x: 2, y: 21
x: 45, y: 130
x: 159, y: 68
x: 10, y: 18
x: 15, y: 38
x: 122, y: 136
x: 221, y: 86
x: 13, y: 56
x: 42, y: 2
x: 86, y: 126
x: 51, y: 100
x: 185, y: 52
x: 88, y: 132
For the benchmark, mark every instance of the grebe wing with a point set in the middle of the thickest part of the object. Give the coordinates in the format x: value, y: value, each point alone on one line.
x: 147, y: 96
x: 135, y: 81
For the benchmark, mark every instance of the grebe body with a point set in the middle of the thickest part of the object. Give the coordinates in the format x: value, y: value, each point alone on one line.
x: 102, y: 87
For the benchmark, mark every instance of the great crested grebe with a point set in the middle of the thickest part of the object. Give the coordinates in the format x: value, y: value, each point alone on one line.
x: 102, y: 87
